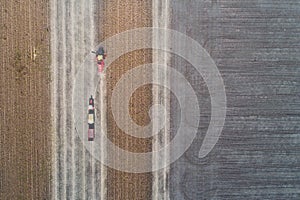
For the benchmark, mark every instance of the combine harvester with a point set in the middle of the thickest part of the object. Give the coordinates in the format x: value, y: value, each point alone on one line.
x: 100, y: 56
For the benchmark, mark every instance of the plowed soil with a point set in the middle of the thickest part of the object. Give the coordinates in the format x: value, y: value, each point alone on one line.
x: 121, y: 16
x: 25, y: 146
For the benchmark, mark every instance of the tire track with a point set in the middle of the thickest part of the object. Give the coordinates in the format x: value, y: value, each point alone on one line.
x: 64, y: 101
x: 60, y: 118
x: 86, y: 155
x: 53, y: 13
x: 78, y: 43
x: 72, y: 40
x: 103, y: 122
x: 94, y: 163
x: 84, y: 151
x: 68, y: 88
x: 89, y: 42
x: 160, y: 185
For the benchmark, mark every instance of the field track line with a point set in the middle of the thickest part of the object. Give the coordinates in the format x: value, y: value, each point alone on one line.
x: 53, y: 13
x: 81, y: 42
x: 92, y: 38
x: 103, y: 128
x: 72, y: 14
x: 160, y: 189
x: 69, y: 134
x: 64, y: 100
x: 78, y: 151
x: 166, y: 103
x: 59, y: 116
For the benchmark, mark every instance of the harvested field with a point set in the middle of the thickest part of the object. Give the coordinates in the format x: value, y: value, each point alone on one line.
x: 25, y: 119
x: 121, y: 16
x: 76, y: 173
